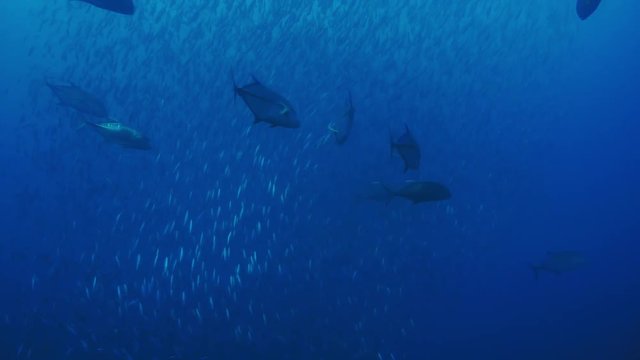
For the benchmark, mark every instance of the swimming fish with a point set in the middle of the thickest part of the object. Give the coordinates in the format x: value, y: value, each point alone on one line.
x: 117, y: 133
x: 408, y: 149
x: 125, y: 7
x: 558, y: 262
x: 342, y: 134
x: 267, y: 105
x: 421, y: 191
x: 80, y: 100
x: 586, y: 8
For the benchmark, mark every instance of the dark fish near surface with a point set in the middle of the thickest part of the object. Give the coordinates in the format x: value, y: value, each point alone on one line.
x: 342, y: 134
x: 558, y: 262
x: 117, y: 133
x: 79, y: 100
x: 267, y: 105
x: 408, y: 149
x: 422, y: 191
x: 586, y: 8
x: 125, y: 7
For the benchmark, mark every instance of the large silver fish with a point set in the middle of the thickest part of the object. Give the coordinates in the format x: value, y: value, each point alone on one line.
x: 117, y: 133
x: 558, y: 262
x: 267, y: 105
x: 407, y: 147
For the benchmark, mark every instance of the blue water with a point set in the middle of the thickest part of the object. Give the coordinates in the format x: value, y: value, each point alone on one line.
x: 233, y: 241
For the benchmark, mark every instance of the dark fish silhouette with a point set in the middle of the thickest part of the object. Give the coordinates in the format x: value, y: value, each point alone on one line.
x: 408, y: 149
x: 125, y: 7
x: 117, y: 133
x: 558, y: 262
x: 79, y: 100
x: 342, y: 134
x: 421, y: 191
x: 586, y: 8
x: 267, y: 105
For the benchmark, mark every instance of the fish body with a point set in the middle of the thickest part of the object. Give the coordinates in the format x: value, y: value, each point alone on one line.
x: 267, y: 105
x: 80, y: 100
x: 559, y: 262
x: 117, y: 133
x: 342, y: 134
x: 585, y: 8
x: 422, y: 191
x: 407, y: 147
x: 124, y: 7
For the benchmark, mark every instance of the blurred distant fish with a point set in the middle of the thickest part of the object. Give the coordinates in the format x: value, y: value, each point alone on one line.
x: 558, y: 262
x: 117, y: 133
x: 586, y: 8
x: 408, y: 149
x: 267, y: 106
x: 342, y: 133
x: 125, y: 7
x: 421, y: 191
x: 79, y: 100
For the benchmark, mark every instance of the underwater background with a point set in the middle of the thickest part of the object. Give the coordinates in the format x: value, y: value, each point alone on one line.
x: 230, y: 240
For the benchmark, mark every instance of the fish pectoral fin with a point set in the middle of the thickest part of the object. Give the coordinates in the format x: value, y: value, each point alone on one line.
x: 332, y: 129
x: 285, y: 109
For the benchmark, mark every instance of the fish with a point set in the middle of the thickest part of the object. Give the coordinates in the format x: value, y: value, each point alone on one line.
x: 586, y: 8
x: 421, y: 191
x: 558, y: 262
x: 267, y: 105
x: 343, y: 133
x: 78, y: 99
x: 407, y: 147
x: 124, y: 7
x: 117, y: 133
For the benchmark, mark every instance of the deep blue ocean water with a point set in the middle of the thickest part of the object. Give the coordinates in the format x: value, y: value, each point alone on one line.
x: 237, y: 241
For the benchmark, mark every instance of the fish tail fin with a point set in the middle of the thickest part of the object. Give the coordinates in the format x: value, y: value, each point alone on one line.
x: 536, y: 271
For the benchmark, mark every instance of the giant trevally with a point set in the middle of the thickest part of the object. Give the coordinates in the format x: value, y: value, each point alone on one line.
x: 407, y: 147
x: 117, y: 133
x: 421, y: 191
x: 267, y: 105
x: 558, y: 262
x: 342, y: 133
x: 78, y: 99
x: 125, y: 7
x: 586, y: 8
